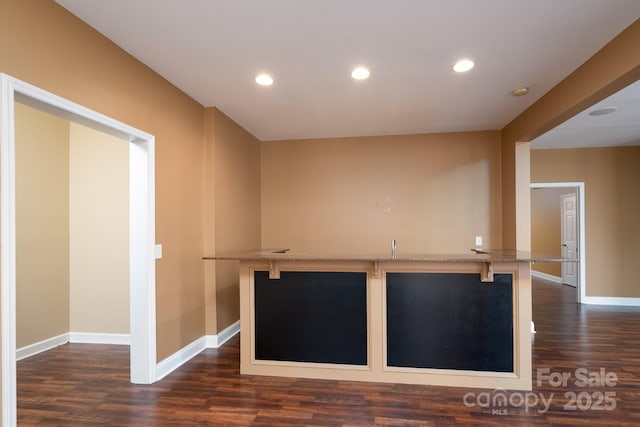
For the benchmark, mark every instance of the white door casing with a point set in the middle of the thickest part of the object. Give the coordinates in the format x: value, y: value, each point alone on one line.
x: 141, y: 231
x: 569, y: 236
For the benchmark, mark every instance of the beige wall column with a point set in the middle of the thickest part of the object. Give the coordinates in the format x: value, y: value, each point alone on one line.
x: 523, y: 196
x: 508, y: 194
x: 516, y: 203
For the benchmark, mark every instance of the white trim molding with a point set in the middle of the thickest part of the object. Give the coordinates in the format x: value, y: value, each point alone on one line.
x: 179, y: 358
x: 41, y: 346
x: 99, y: 338
x: 621, y: 301
x: 8, y: 251
x: 216, y: 341
x: 547, y: 277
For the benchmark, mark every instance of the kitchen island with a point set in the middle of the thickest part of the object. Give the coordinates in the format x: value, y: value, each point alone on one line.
x: 453, y: 320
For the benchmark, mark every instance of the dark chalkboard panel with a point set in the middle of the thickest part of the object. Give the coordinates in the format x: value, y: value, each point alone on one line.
x: 449, y: 321
x: 311, y: 317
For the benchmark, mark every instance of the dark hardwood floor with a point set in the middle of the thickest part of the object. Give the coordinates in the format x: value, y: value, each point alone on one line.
x: 81, y: 384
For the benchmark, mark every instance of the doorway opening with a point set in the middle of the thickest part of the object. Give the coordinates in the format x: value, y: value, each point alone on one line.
x: 570, y: 215
x: 141, y: 230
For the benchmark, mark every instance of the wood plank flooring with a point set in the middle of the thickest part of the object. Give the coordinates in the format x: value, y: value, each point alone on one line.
x: 83, y: 385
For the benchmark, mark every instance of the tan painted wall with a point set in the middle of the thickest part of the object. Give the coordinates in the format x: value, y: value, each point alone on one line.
x: 237, y: 209
x: 432, y: 193
x: 612, y: 203
x: 546, y: 236
x: 615, y: 66
x: 99, y: 232
x: 42, y: 226
x: 43, y: 44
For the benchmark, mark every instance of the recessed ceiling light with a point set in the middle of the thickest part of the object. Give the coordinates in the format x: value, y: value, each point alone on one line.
x: 463, y: 66
x: 603, y: 111
x: 360, y: 73
x: 264, y: 80
x: 520, y: 91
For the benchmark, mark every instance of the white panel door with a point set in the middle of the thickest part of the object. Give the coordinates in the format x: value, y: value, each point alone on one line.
x: 569, y: 230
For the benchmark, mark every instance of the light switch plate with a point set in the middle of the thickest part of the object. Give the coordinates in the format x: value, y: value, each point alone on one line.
x: 158, y: 251
x: 478, y: 240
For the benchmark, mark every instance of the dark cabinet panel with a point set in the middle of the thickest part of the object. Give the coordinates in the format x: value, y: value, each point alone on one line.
x: 311, y: 317
x: 449, y: 321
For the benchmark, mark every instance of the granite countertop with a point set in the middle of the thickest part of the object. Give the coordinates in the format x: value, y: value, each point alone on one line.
x: 474, y: 255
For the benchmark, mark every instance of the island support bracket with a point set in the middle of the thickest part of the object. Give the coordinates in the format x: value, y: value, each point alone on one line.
x: 376, y: 270
x: 486, y: 274
x: 274, y: 270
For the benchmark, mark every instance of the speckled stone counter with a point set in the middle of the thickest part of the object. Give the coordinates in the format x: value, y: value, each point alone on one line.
x: 474, y: 255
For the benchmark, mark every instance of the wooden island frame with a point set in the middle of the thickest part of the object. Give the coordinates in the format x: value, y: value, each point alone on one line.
x: 484, y: 266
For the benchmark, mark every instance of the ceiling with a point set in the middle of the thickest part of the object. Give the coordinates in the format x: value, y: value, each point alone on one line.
x: 213, y: 49
x: 620, y: 128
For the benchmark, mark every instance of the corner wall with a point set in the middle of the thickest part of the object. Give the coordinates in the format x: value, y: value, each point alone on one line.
x: 232, y: 214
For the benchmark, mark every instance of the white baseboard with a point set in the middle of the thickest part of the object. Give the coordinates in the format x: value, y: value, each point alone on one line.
x: 73, y: 337
x: 547, y: 277
x: 185, y: 354
x: 179, y: 358
x: 216, y: 341
x: 163, y: 368
x: 39, y: 347
x: 622, y: 301
x: 99, y: 338
x: 633, y: 302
